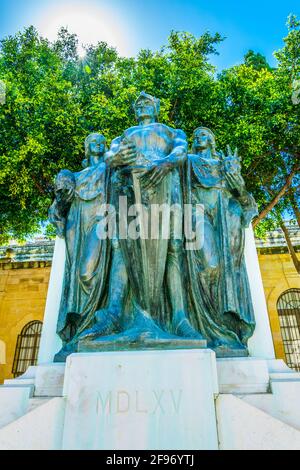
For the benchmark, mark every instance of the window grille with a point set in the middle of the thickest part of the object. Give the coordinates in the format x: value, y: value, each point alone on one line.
x: 27, y: 348
x: 288, y: 307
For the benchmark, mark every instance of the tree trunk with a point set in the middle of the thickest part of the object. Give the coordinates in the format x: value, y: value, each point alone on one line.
x: 276, y: 198
x: 290, y: 246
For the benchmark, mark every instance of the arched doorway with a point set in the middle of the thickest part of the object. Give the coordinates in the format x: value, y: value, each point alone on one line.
x: 27, y: 348
x: 288, y: 307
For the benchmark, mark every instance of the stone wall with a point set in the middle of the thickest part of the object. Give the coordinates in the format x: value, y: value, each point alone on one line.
x: 23, y: 290
x: 279, y: 275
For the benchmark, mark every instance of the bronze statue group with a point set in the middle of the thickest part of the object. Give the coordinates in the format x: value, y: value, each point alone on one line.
x: 141, y: 292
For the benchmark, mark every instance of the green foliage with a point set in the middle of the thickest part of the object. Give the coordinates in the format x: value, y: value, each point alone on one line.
x: 40, y: 131
x: 256, y: 60
x: 54, y: 99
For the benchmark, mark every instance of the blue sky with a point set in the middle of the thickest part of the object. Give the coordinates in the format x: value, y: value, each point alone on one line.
x: 131, y: 25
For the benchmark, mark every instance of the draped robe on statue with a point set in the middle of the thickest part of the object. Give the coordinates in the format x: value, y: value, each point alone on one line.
x: 219, y: 292
x: 87, y: 253
x: 148, y: 260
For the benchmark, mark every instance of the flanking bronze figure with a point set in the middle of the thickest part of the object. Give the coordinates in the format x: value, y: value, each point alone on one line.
x: 140, y: 285
x: 218, y: 283
x: 91, y: 259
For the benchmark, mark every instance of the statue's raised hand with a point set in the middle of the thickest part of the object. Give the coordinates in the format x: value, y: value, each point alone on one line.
x: 65, y: 195
x: 232, y: 170
x: 64, y: 187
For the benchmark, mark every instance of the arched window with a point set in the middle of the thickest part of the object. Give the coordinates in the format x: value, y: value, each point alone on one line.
x: 288, y: 307
x: 27, y: 348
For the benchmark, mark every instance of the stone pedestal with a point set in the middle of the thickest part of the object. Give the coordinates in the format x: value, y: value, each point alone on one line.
x: 153, y: 400
x: 260, y: 345
x: 50, y: 342
x: 141, y: 400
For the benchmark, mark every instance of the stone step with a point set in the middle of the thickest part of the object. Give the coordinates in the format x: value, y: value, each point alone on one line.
x: 243, y: 375
x: 36, y: 402
x: 283, y: 376
x: 13, y: 403
x: 27, y: 386
x: 18, y: 382
x: 49, y: 380
x: 282, y: 403
x: 39, y: 429
x: 45, y: 380
x: 243, y: 426
x: 278, y: 370
x: 27, y: 378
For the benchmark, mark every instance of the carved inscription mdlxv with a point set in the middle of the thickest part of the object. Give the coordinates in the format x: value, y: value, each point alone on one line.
x: 152, y: 402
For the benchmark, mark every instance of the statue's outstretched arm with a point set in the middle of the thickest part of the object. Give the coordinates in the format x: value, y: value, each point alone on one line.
x: 179, y: 152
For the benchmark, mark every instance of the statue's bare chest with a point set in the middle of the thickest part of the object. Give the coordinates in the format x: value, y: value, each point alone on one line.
x: 151, y: 141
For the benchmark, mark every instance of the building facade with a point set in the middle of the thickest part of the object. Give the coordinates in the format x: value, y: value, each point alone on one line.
x: 24, y: 278
x: 282, y: 289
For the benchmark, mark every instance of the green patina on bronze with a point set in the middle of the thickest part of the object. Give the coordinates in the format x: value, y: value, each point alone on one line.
x: 144, y: 292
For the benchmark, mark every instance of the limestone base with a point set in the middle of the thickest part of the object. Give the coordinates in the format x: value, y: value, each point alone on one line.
x: 158, y: 400
x: 152, y: 400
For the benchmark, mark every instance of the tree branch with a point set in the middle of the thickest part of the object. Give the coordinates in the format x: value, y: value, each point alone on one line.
x: 38, y: 186
x: 276, y: 198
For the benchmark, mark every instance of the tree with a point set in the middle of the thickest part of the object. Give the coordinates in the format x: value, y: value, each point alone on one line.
x: 261, y: 118
x: 39, y: 131
x: 256, y: 60
x: 266, y: 106
x: 54, y: 99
